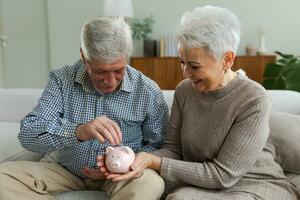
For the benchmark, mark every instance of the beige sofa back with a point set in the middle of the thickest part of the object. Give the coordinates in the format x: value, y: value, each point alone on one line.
x: 16, y: 103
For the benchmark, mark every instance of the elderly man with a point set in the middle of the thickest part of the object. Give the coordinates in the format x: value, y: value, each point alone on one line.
x: 97, y: 102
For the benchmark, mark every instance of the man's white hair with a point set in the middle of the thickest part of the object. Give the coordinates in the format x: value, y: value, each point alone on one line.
x: 214, y: 29
x: 106, y: 39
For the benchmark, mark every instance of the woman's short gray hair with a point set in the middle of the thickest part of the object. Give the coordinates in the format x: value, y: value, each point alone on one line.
x: 106, y: 39
x: 215, y: 29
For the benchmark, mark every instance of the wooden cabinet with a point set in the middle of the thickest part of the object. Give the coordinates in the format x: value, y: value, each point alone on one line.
x: 254, y: 66
x: 166, y: 71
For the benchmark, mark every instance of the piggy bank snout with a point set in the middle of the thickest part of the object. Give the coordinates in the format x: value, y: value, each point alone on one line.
x: 115, y: 164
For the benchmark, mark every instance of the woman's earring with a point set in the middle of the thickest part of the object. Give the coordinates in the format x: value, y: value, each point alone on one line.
x: 225, y: 70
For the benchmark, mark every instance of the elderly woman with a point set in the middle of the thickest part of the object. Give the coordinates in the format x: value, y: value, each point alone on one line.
x: 219, y: 124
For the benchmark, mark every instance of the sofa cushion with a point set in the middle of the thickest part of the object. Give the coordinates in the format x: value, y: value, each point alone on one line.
x: 10, y: 144
x: 15, y: 103
x: 168, y: 95
x: 287, y: 101
x: 284, y: 140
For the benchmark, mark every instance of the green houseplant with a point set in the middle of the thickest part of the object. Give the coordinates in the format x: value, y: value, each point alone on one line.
x: 141, y: 29
x: 284, y: 74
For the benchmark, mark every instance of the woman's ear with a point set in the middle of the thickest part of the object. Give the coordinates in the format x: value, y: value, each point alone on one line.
x: 228, y: 59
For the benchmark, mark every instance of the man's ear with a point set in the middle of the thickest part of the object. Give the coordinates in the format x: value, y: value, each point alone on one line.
x: 82, y: 57
x: 228, y: 59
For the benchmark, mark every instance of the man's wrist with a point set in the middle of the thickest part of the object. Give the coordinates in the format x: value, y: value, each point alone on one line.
x: 77, y: 133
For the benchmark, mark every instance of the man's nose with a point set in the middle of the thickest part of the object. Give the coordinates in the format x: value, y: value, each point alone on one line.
x: 110, y: 79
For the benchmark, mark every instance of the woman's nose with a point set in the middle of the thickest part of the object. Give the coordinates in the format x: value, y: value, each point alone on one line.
x: 185, y: 71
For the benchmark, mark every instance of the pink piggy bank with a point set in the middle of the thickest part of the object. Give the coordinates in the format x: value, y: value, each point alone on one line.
x: 119, y: 159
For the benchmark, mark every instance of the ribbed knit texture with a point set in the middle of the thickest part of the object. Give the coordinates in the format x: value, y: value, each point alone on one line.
x: 217, y: 140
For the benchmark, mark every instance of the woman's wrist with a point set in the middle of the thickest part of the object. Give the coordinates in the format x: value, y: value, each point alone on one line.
x: 155, y: 162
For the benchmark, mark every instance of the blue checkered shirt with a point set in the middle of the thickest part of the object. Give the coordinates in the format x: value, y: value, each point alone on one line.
x: 70, y: 99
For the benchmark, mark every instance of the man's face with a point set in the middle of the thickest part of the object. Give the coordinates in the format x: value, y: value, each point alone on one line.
x: 106, y: 77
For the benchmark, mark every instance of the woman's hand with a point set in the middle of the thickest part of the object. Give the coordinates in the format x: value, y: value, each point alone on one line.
x: 142, y: 161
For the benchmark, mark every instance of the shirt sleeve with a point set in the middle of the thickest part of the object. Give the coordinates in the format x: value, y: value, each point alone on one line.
x: 45, y: 129
x: 243, y: 146
x: 154, y: 126
x: 172, y: 146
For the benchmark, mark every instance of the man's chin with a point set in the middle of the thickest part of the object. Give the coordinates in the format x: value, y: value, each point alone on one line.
x: 107, y: 90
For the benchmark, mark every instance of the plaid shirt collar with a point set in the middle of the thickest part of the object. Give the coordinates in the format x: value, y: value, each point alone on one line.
x: 82, y: 77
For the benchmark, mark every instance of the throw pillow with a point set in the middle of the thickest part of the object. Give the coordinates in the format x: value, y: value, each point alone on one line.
x: 284, y: 139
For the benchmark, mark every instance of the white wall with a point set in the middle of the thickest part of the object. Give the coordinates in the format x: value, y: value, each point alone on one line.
x: 280, y: 19
x: 25, y: 57
x: 65, y: 20
x: 1, y: 68
x: 59, y: 36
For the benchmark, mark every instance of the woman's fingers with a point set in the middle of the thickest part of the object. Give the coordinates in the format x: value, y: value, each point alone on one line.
x: 129, y: 175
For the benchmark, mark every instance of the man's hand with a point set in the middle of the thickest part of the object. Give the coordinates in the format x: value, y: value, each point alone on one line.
x: 101, y: 165
x: 94, y: 174
x: 142, y: 161
x: 101, y: 128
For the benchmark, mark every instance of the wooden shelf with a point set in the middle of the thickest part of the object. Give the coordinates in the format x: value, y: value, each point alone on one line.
x: 166, y: 71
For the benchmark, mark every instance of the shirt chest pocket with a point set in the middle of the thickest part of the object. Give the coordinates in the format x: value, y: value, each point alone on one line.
x: 131, y: 129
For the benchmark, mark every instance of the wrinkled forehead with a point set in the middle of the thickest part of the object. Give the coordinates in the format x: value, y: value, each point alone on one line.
x: 104, y: 66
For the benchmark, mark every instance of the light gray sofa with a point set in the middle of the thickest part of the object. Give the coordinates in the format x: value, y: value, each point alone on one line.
x: 16, y: 103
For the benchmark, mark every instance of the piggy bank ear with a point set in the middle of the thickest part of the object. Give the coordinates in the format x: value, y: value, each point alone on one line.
x: 126, y: 150
x: 109, y: 149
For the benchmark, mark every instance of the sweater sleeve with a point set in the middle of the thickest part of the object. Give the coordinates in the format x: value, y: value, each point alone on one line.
x: 242, y: 147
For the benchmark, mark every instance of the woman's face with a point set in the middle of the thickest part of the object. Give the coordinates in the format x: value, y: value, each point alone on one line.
x: 203, y: 69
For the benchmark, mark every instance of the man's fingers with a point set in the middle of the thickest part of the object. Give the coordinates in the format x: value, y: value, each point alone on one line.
x: 92, y: 173
x: 109, y: 131
x: 100, y: 158
x: 102, y: 127
x: 99, y: 137
x: 117, y: 129
x: 106, y: 174
x: 106, y: 134
x: 104, y: 170
x: 100, y: 164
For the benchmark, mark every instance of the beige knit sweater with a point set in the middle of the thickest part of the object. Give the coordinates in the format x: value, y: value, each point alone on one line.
x: 218, y: 138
